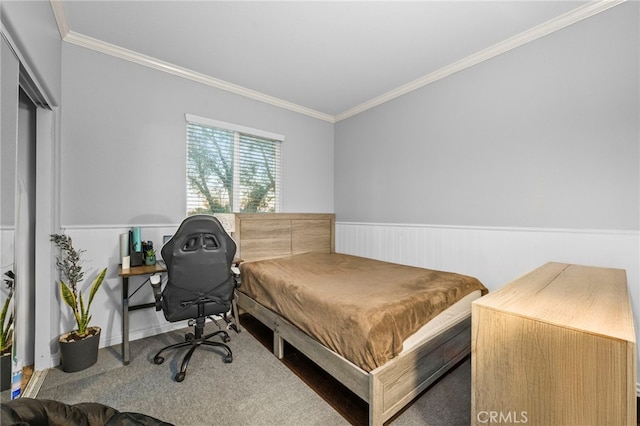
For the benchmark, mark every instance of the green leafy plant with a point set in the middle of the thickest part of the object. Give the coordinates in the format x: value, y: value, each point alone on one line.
x: 69, y: 265
x: 6, y: 338
x: 150, y: 257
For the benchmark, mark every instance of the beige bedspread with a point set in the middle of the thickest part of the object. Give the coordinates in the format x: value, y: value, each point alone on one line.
x: 360, y: 308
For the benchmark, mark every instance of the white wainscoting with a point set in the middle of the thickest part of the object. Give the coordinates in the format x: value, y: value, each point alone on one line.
x: 494, y: 255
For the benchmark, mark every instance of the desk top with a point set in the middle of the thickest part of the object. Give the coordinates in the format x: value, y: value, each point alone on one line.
x: 152, y: 269
x: 142, y: 270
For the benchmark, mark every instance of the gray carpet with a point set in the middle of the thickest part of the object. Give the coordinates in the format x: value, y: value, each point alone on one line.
x: 256, y: 389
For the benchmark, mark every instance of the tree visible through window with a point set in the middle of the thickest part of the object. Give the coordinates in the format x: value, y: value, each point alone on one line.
x: 230, y: 170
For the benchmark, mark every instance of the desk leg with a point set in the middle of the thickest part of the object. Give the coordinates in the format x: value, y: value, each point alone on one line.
x: 236, y: 317
x: 125, y: 320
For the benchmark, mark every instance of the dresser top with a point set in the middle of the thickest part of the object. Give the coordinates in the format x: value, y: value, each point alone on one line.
x: 585, y: 298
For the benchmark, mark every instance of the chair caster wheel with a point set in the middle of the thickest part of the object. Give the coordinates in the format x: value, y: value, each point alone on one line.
x: 180, y: 376
x: 158, y: 359
x: 226, y: 339
x: 228, y: 359
x: 189, y: 337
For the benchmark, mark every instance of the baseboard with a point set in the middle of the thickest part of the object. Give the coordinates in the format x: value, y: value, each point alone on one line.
x: 142, y: 333
x: 34, y: 385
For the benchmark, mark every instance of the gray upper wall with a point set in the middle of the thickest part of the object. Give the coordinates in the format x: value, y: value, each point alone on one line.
x: 545, y: 135
x: 32, y: 26
x: 124, y: 142
x: 9, y: 68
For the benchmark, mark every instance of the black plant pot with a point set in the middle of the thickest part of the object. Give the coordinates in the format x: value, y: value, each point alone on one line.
x: 79, y: 354
x: 5, y: 372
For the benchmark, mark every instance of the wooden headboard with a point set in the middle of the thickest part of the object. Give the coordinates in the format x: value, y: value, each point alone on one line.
x: 268, y: 235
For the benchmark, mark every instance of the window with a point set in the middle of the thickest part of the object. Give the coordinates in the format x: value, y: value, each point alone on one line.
x: 231, y: 168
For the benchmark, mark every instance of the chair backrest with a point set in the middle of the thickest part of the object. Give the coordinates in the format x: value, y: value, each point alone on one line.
x: 198, y: 258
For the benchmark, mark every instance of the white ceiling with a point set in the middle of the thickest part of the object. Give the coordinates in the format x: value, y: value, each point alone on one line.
x: 332, y: 58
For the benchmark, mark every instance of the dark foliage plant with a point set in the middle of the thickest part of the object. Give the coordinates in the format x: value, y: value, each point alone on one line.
x: 69, y: 264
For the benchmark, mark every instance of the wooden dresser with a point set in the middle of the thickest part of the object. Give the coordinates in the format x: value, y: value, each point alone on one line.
x: 555, y: 347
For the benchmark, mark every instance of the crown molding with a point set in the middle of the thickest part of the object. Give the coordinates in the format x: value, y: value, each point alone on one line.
x: 548, y: 27
x: 151, y: 62
x: 518, y: 40
x: 60, y: 17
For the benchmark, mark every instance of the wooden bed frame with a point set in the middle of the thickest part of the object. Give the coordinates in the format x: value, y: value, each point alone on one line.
x: 388, y: 388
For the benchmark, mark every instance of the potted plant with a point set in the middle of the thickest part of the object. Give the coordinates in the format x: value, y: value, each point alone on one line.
x: 6, y: 337
x: 79, y: 347
x: 150, y: 257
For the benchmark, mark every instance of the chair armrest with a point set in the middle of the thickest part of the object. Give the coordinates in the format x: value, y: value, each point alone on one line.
x: 156, y: 284
x: 235, y: 271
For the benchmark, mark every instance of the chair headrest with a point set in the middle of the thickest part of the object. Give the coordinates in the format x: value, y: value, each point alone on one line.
x: 199, y: 231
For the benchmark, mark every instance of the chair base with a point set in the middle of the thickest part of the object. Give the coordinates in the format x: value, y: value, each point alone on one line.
x: 194, y: 342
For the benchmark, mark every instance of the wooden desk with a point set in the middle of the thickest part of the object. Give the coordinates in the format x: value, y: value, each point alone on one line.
x: 149, y: 270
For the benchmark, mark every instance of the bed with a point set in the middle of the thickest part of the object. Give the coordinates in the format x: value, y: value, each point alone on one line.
x: 290, y: 273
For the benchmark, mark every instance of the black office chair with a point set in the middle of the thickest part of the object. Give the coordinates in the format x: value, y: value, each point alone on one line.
x: 200, y: 283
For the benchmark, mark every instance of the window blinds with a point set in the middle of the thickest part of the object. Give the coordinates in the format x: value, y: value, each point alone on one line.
x: 231, y: 168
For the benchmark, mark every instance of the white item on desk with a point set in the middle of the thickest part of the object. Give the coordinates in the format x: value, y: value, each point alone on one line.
x: 126, y: 262
x: 124, y: 245
x: 228, y: 221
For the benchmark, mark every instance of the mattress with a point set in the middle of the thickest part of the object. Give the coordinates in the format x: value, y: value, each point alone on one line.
x: 450, y: 316
x: 362, y: 309
x: 445, y: 319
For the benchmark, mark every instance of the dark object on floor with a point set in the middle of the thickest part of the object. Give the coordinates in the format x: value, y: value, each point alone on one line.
x: 5, y: 371
x: 28, y: 411
x: 80, y: 354
x: 200, y: 283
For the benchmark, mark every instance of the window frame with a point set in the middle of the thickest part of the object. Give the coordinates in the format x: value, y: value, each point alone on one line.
x: 237, y: 131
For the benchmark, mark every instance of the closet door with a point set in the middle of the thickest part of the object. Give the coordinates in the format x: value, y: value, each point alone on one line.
x: 9, y: 77
x: 25, y: 227
x: 29, y: 175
